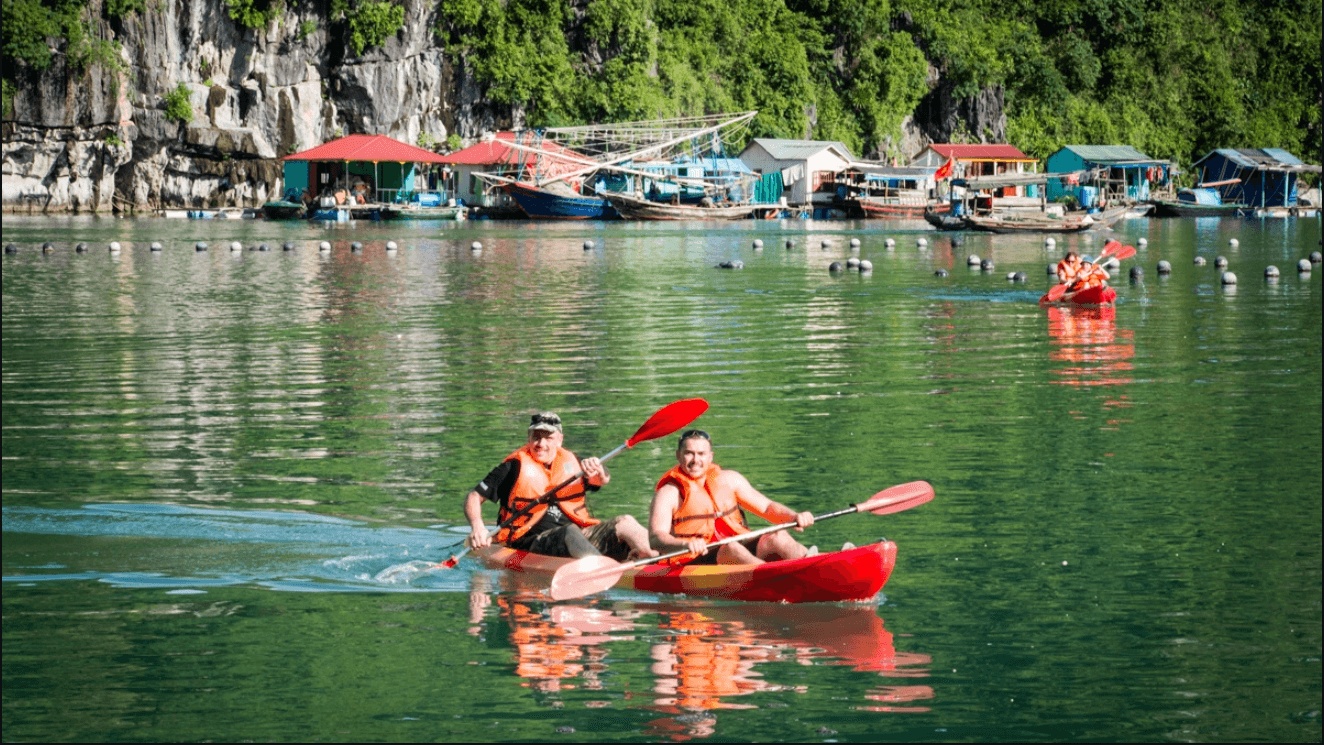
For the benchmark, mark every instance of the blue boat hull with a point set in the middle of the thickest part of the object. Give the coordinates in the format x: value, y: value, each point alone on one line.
x: 542, y: 205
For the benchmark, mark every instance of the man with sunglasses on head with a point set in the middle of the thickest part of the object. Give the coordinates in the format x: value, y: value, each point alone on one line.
x: 559, y: 524
x: 698, y: 502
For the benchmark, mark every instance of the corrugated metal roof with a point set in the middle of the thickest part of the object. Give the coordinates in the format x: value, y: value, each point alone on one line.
x: 801, y: 149
x: 1111, y: 154
x: 379, y: 148
x: 981, y: 152
x: 1255, y: 158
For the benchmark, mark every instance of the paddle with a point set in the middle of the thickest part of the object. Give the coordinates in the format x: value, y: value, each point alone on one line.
x: 1058, y: 290
x: 668, y: 419
x: 596, y: 573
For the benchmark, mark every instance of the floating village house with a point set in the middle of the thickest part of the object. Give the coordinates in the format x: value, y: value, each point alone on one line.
x: 515, y: 156
x: 796, y: 172
x: 1125, y: 174
x: 982, y: 160
x: 1262, y: 178
x: 374, y: 168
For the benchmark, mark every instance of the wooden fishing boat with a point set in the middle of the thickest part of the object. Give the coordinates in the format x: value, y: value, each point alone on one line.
x: 634, y: 208
x: 557, y: 201
x: 1011, y: 224
x: 898, y: 208
x: 1102, y: 295
x: 855, y: 574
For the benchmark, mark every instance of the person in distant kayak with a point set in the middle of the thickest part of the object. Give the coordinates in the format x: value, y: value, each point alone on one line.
x: 698, y: 502
x: 1068, y: 267
x: 561, y: 525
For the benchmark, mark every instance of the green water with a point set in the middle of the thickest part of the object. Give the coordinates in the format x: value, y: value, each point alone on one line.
x: 209, y: 457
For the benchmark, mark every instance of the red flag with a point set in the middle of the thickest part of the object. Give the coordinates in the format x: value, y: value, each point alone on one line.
x: 945, y: 170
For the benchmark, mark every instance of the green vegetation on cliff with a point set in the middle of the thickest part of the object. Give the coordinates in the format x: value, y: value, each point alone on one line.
x: 1174, y: 78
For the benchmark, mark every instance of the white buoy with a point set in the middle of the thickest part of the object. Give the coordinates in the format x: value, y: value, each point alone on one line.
x: 475, y: 246
x: 1050, y: 241
x: 866, y: 265
x: 589, y: 245
x: 890, y: 243
x: 390, y: 246
x: 324, y: 247
x: 199, y: 246
x: 1303, y: 266
x: 1229, y: 278
x: 1233, y: 242
x: 972, y: 260
x: 855, y: 244
x: 156, y: 246
x: 1271, y: 271
x: 1142, y: 243
x: 852, y: 263
x: 758, y: 244
x: 114, y: 247
x: 921, y: 242
x: 236, y: 246
x: 826, y: 244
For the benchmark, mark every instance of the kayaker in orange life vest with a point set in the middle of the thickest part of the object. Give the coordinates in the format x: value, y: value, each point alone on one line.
x: 563, y: 526
x: 698, y: 502
x: 1068, y: 267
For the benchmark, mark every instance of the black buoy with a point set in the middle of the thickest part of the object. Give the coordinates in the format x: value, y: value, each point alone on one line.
x: 789, y: 244
x: 1052, y: 270
x: 356, y: 247
x: 1164, y: 267
x: 11, y: 248
x: 48, y: 247
x: 835, y: 267
x: 1220, y: 262
x: 289, y: 246
x: 731, y: 265
x: 81, y: 248
x: 264, y: 247
x: 1137, y: 273
x: 1020, y: 277
x: 940, y: 273
x: 986, y: 265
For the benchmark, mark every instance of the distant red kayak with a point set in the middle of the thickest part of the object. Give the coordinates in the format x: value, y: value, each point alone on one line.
x: 853, y: 574
x: 1104, y: 295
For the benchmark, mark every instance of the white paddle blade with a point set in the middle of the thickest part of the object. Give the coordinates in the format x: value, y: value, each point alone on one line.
x: 898, y: 498
x: 585, y: 576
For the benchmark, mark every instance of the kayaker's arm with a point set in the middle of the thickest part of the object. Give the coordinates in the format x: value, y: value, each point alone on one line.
x: 774, y: 512
x: 473, y: 512
x: 665, y: 503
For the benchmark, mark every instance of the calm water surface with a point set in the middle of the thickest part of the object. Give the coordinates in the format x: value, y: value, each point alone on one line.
x: 210, y: 456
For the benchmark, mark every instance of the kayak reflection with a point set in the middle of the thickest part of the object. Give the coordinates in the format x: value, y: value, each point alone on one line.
x: 1095, y: 350
x: 702, y: 658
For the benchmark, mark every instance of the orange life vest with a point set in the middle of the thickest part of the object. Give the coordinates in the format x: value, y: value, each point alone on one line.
x: 707, y: 506
x: 1065, y: 271
x: 534, y: 481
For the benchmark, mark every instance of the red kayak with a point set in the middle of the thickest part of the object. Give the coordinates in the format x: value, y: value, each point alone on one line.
x: 1103, y: 295
x: 851, y: 575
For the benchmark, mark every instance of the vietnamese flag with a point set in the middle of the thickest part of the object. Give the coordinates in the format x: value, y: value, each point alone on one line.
x: 945, y: 170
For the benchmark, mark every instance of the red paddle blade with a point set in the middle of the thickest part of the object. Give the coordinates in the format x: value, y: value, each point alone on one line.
x: 1126, y: 253
x: 1056, y: 292
x: 584, y: 577
x: 449, y: 563
x: 898, y: 498
x: 668, y: 419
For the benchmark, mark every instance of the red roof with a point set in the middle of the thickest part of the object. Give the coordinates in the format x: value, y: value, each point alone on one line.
x: 497, y: 152
x: 368, y: 147
x: 981, y: 152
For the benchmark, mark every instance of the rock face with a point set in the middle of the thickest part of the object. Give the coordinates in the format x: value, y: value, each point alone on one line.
x: 100, y: 140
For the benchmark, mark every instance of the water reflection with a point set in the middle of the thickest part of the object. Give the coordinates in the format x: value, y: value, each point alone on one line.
x: 1095, y: 351
x: 702, y: 658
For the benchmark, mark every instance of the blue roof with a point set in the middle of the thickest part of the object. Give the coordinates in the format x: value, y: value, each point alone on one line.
x: 1253, y: 158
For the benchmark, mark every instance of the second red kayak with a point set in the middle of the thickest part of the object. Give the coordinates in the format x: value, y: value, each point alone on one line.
x: 1103, y: 295
x: 852, y: 575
